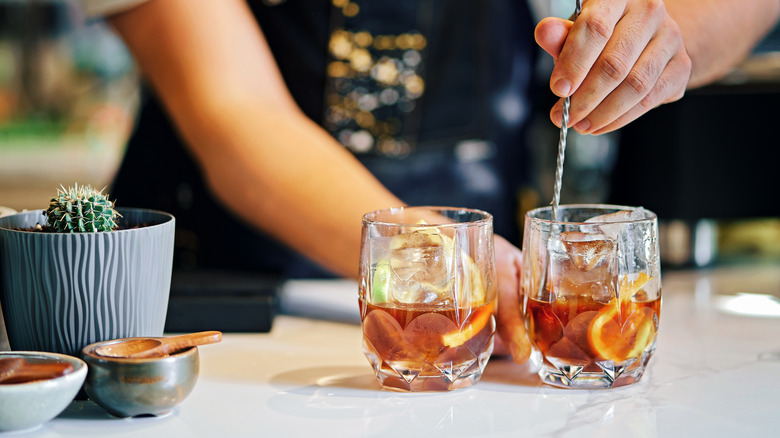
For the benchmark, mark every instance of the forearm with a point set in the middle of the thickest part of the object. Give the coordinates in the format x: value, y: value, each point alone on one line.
x: 720, y: 34
x: 260, y: 155
x: 288, y: 177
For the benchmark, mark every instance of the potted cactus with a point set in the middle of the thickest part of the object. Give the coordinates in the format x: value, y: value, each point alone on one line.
x: 82, y: 271
x: 81, y: 210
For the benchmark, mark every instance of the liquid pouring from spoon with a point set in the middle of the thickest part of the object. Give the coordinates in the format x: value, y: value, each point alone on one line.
x: 140, y: 348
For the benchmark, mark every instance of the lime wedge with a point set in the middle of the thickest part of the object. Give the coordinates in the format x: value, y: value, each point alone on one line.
x: 380, y: 284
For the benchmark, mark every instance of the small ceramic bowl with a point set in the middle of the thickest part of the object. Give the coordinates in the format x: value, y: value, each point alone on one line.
x: 131, y: 387
x: 30, y: 404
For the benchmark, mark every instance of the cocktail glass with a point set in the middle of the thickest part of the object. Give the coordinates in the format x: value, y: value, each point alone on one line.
x: 591, y: 293
x: 427, y: 296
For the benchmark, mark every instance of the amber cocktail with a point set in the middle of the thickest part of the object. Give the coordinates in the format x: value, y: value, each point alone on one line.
x: 427, y: 296
x: 591, y: 293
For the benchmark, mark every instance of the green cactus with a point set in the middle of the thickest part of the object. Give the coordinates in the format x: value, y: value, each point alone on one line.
x: 81, y: 209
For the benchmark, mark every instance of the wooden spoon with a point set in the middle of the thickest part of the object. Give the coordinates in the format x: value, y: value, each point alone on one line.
x: 157, y: 347
x: 18, y: 370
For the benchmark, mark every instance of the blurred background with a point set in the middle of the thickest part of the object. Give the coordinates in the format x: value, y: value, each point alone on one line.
x: 68, y: 96
x: 69, y: 93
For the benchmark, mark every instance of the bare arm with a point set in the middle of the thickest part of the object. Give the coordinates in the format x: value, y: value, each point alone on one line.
x: 261, y: 156
x: 622, y: 58
x: 720, y: 34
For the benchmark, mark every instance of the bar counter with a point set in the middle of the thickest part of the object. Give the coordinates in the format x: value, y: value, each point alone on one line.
x: 715, y: 373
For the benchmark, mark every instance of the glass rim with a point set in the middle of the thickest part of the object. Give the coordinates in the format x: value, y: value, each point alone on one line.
x: 649, y: 217
x: 371, y: 216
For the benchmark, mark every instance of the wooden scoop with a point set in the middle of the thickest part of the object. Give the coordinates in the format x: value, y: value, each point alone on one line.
x: 157, y: 347
x: 18, y: 370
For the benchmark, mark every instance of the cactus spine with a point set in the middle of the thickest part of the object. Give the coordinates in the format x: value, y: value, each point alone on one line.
x: 81, y: 209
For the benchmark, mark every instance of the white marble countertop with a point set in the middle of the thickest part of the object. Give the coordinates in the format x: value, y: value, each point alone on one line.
x: 716, y: 373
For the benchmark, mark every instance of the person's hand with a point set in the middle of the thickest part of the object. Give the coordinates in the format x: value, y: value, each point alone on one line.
x: 511, y: 337
x: 620, y: 59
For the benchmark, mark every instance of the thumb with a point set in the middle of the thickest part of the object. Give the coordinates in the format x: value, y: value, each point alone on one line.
x: 509, y: 316
x: 511, y: 325
x: 551, y: 33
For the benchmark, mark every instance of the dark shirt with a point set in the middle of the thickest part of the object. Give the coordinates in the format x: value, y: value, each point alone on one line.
x: 442, y: 102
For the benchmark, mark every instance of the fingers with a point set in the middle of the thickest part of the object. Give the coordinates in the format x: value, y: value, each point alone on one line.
x: 551, y: 33
x: 586, y: 40
x: 511, y: 326
x: 509, y: 318
x: 641, y: 63
x: 618, y: 64
x: 659, y: 75
x: 667, y: 89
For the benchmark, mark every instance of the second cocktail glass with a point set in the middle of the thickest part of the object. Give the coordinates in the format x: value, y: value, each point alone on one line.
x: 592, y: 293
x: 427, y: 296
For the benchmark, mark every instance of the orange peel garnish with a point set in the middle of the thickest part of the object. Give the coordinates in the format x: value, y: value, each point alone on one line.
x: 459, y: 337
x: 629, y: 289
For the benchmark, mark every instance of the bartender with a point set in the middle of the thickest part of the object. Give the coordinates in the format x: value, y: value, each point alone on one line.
x: 270, y: 127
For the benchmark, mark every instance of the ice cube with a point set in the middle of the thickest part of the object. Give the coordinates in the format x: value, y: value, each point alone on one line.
x: 611, y: 224
x: 620, y: 216
x: 417, y: 253
x: 583, y: 266
x: 421, y: 264
x: 635, y: 237
x: 586, y: 251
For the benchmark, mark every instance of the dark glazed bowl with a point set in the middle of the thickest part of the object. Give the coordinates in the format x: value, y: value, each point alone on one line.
x: 132, y: 387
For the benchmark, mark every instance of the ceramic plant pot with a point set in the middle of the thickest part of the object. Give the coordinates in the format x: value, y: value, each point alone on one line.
x: 60, y: 292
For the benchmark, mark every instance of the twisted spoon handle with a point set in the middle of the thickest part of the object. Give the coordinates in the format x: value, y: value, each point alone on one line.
x: 558, y: 176
x: 562, y: 142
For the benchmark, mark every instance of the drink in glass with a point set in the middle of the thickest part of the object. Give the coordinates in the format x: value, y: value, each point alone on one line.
x: 591, y: 293
x: 427, y: 296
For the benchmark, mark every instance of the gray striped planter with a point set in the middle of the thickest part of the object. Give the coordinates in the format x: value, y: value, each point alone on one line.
x: 60, y: 292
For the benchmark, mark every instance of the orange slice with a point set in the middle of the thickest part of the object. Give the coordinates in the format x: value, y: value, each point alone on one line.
x: 604, y: 333
x: 638, y: 331
x: 459, y: 337
x: 612, y: 342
